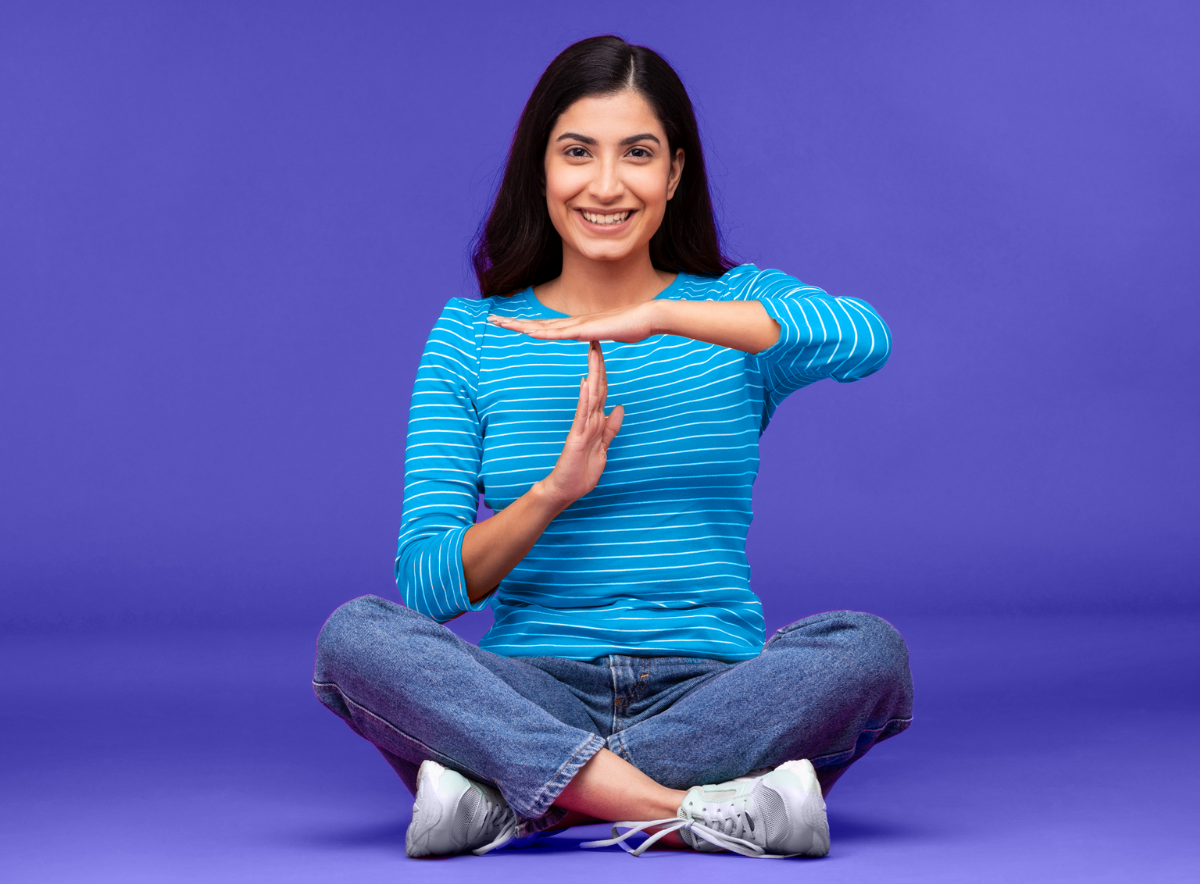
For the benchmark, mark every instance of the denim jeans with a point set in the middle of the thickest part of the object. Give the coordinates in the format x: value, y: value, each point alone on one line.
x: 826, y: 688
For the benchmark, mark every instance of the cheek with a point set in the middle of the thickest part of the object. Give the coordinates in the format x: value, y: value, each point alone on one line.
x: 651, y: 190
x: 561, y: 185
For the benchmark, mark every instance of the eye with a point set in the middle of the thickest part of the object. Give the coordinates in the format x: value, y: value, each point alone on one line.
x: 640, y: 153
x: 576, y: 151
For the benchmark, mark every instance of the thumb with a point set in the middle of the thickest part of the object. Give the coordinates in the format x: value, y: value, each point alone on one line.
x: 612, y: 424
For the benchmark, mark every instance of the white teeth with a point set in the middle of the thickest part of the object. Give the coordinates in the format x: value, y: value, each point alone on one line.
x: 606, y: 219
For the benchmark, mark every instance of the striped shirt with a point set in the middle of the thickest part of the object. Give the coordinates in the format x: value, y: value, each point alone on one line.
x: 652, y: 562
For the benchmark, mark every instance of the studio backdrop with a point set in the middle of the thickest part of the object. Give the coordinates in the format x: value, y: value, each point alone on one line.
x: 226, y: 229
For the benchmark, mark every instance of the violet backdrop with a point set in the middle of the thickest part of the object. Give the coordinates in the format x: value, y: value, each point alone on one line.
x: 227, y: 227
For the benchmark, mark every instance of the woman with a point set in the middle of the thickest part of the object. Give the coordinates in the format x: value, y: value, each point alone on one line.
x: 625, y: 677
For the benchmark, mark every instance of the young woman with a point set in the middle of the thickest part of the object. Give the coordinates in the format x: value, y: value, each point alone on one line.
x: 625, y: 677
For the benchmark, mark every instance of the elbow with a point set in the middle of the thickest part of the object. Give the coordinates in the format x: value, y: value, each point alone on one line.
x: 863, y: 365
x: 408, y: 582
x: 420, y: 587
x: 876, y: 358
x: 875, y: 344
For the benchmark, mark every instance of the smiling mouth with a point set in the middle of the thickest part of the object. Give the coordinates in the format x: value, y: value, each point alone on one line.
x: 606, y: 219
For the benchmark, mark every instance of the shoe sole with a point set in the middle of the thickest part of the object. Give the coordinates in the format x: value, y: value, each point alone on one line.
x: 427, y: 811
x: 812, y: 811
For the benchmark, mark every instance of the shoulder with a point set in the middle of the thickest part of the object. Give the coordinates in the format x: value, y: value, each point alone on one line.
x: 517, y: 304
x: 455, y: 338
x: 468, y: 317
x: 739, y: 283
x: 746, y: 281
x: 464, y: 311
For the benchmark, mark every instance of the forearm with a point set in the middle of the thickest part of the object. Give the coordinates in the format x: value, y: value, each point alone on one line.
x: 738, y: 325
x: 493, y: 547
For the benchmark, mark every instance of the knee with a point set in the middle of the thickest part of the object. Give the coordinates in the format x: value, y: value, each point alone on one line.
x: 862, y: 642
x: 351, y: 630
x: 878, y: 643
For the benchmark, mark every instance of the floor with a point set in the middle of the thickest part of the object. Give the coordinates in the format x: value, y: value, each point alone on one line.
x: 1043, y: 749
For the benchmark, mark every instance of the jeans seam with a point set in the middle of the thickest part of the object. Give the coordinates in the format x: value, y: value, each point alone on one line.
x: 623, y: 746
x: 867, y: 730
x: 545, y: 798
x: 800, y: 624
x: 453, y: 762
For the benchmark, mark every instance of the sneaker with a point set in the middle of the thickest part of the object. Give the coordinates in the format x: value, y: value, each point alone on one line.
x: 453, y: 814
x: 779, y: 814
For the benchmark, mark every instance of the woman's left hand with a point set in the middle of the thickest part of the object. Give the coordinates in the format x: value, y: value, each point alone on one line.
x: 627, y: 325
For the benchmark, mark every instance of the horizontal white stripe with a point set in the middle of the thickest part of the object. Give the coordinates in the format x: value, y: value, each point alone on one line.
x: 690, y: 406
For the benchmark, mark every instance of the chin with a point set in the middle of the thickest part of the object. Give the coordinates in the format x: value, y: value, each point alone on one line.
x: 606, y: 255
x: 606, y: 251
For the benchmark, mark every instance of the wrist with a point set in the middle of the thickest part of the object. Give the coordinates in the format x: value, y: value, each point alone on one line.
x: 547, y: 500
x: 663, y: 316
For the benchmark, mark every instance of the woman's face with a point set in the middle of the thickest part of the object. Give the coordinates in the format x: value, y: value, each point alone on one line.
x: 609, y: 174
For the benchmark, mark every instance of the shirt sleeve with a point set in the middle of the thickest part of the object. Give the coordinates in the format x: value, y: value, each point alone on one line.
x: 441, y: 466
x: 820, y: 336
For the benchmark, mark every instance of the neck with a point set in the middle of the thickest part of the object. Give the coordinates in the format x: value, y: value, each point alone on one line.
x: 588, y: 286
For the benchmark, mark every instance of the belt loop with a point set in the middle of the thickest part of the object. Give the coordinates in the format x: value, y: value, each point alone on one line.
x: 612, y: 670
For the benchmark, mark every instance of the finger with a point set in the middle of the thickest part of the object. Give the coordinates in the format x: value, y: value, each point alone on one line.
x: 593, y: 375
x: 581, y: 408
x: 537, y: 328
x: 534, y: 324
x: 612, y: 425
x: 602, y: 372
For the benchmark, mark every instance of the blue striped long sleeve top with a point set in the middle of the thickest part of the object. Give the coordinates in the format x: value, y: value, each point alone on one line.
x: 652, y: 562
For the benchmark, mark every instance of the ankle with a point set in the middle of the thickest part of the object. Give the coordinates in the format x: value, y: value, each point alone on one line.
x: 666, y: 804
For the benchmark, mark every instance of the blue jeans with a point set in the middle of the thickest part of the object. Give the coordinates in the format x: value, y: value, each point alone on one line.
x: 826, y: 688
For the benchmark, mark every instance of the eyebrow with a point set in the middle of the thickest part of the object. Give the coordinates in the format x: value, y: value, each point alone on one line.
x: 632, y: 139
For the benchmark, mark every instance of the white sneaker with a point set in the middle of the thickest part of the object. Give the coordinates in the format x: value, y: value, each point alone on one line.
x: 453, y: 814
x: 779, y: 814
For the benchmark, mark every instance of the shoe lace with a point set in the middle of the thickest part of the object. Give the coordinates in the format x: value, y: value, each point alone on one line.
x: 723, y: 826
x: 498, y: 814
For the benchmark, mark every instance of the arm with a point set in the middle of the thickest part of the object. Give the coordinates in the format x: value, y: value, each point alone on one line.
x: 493, y: 547
x: 738, y: 325
x: 820, y: 336
x: 797, y: 333
x: 743, y: 325
x: 441, y: 467
x: 445, y: 563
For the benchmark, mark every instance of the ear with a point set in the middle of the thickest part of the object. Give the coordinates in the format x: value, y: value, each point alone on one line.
x: 675, y: 174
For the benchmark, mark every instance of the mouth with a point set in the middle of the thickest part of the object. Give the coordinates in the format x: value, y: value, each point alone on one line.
x: 606, y: 220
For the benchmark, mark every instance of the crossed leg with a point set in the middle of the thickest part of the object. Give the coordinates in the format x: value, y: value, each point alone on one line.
x: 825, y: 688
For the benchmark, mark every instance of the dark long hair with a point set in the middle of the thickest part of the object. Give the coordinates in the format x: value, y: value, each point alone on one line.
x: 518, y: 245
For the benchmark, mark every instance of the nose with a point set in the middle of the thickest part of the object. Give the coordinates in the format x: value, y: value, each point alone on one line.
x: 607, y: 185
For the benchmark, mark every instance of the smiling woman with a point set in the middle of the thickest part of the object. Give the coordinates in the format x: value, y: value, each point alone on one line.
x: 606, y: 190
x: 626, y: 675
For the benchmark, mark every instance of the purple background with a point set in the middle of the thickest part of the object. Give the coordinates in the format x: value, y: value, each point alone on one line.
x: 226, y: 229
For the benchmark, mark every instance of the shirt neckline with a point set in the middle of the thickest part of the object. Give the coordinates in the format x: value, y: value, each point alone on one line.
x: 539, y: 307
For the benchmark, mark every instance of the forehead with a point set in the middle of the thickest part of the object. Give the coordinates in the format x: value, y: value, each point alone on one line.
x: 606, y: 117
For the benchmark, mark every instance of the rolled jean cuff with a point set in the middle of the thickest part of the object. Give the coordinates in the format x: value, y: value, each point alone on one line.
x: 550, y: 792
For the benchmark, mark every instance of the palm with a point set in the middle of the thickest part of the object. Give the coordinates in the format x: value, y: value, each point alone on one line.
x: 585, y: 451
x: 627, y: 325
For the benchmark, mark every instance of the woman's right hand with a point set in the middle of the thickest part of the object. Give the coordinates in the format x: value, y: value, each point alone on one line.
x: 493, y: 547
x: 585, y: 452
